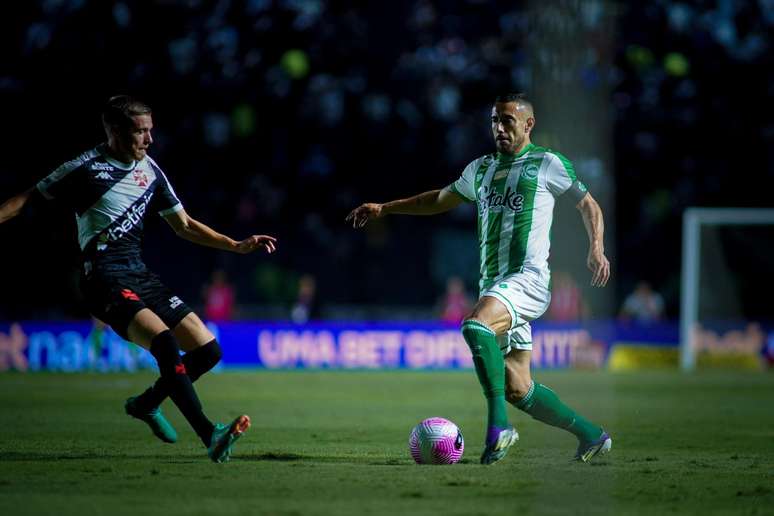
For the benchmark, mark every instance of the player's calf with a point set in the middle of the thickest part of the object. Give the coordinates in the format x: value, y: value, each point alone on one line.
x: 490, y: 369
x: 197, y: 362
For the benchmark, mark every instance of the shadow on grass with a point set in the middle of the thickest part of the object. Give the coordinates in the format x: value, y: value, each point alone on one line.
x: 293, y: 457
x: 55, y: 456
x: 275, y: 457
x: 59, y: 456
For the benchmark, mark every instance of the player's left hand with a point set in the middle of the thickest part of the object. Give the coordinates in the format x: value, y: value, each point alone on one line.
x: 251, y: 243
x: 599, y: 266
x: 363, y: 213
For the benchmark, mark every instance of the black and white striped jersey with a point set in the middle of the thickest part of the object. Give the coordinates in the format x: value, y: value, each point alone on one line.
x: 110, y: 200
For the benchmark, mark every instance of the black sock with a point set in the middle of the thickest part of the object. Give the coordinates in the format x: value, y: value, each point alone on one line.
x: 196, y: 362
x: 173, y: 373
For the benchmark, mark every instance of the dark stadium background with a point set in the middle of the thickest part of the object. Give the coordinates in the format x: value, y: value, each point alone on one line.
x: 279, y: 117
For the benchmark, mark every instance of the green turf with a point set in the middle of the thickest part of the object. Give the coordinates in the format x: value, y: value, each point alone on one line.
x: 336, y: 443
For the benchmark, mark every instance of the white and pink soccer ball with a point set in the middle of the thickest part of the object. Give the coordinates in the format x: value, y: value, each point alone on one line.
x: 436, y: 441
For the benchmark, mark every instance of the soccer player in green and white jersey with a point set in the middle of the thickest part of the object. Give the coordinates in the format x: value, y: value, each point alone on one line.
x: 515, y: 190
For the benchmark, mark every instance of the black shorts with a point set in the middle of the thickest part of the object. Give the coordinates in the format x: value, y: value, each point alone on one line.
x: 115, y: 293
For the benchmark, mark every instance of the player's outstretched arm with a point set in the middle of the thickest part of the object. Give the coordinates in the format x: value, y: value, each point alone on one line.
x: 194, y: 231
x: 427, y: 203
x: 596, y: 261
x: 11, y: 208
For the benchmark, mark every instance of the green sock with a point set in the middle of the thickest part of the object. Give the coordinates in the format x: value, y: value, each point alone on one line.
x: 490, y: 369
x: 544, y: 405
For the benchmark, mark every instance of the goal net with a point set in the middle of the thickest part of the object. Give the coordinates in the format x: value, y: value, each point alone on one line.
x: 726, y: 313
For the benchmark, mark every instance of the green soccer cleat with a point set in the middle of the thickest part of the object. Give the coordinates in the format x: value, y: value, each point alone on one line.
x: 498, y: 447
x: 155, y: 420
x: 224, y: 437
x: 587, y: 451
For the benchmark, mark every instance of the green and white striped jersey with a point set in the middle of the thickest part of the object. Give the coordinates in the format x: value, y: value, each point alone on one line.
x: 515, y: 196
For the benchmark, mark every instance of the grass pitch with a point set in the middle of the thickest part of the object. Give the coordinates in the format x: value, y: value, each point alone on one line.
x: 336, y: 443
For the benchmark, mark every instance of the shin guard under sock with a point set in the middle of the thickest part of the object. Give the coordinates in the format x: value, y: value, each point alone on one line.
x: 196, y: 362
x: 490, y: 368
x: 544, y: 405
x: 173, y: 374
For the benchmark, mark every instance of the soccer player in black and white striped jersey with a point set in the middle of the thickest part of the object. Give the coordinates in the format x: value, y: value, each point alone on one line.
x: 111, y: 188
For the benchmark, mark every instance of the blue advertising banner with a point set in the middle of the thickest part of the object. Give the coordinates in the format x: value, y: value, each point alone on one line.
x: 36, y: 346
x: 83, y: 346
x: 68, y: 347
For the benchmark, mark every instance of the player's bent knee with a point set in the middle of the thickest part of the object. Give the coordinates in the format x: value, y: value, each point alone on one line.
x: 473, y: 319
x: 215, y: 352
x: 205, y: 357
x: 517, y: 389
x: 494, y: 326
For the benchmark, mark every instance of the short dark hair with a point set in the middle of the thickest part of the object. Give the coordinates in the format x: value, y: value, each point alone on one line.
x: 512, y: 97
x: 120, y: 109
x: 520, y: 98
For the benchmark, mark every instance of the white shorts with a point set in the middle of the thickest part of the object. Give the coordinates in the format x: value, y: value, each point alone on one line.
x: 526, y: 296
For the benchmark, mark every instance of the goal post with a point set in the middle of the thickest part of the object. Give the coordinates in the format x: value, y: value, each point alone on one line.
x: 694, y: 219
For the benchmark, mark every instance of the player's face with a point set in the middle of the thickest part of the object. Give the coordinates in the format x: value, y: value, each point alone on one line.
x: 134, y: 142
x: 511, y: 124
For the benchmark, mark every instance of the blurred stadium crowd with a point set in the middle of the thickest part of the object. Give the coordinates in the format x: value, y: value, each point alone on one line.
x: 280, y: 116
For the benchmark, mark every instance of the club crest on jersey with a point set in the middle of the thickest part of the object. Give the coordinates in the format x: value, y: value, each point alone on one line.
x: 491, y: 199
x: 530, y: 171
x: 140, y: 177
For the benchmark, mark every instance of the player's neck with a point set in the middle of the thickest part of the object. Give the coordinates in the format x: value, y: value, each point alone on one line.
x: 116, y: 154
x: 519, y: 150
x: 526, y: 143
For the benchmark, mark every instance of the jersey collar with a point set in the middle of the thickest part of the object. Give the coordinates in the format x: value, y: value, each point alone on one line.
x: 521, y: 153
x: 118, y: 164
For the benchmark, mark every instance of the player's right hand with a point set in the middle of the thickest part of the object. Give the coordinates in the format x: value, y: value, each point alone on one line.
x: 251, y: 243
x: 363, y: 213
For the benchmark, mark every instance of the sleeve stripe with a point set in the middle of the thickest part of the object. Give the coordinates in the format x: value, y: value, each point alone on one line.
x: 453, y: 188
x: 43, y: 191
x: 63, y: 171
x: 577, y: 191
x: 174, y: 209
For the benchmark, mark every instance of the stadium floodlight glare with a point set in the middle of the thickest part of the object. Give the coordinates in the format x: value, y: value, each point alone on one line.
x: 693, y: 220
